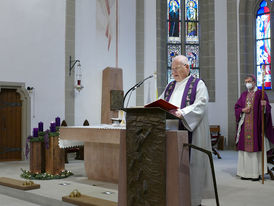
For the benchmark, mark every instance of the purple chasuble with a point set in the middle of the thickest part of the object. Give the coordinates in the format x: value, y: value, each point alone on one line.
x: 250, y: 138
x: 188, y: 97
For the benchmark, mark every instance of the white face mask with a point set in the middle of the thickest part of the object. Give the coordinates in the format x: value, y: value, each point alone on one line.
x: 249, y: 86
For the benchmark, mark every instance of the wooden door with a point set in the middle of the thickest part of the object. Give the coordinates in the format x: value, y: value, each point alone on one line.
x: 10, y: 125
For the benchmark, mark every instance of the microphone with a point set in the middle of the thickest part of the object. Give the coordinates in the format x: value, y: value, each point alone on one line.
x: 135, y: 87
x: 141, y: 82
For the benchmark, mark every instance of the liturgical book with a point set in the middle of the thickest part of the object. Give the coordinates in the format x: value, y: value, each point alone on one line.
x: 165, y: 106
x: 162, y: 104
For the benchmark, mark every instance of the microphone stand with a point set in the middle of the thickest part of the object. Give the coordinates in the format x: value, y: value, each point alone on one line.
x: 135, y: 87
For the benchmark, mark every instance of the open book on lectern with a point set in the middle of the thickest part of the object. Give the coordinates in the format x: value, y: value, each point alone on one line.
x: 165, y: 106
x: 162, y: 104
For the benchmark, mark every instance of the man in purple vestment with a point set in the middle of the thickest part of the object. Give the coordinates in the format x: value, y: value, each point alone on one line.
x: 248, y: 111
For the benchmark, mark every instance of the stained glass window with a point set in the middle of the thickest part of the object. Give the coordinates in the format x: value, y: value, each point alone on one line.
x: 174, y: 46
x: 192, y: 47
x: 263, y: 45
x: 192, y: 53
x: 173, y: 51
x: 192, y: 32
x: 174, y: 21
x: 186, y: 30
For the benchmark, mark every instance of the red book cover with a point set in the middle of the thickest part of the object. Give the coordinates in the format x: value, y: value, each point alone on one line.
x: 162, y: 104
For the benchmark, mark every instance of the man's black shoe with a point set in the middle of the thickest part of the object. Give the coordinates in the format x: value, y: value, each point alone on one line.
x: 244, y: 178
x: 255, y: 179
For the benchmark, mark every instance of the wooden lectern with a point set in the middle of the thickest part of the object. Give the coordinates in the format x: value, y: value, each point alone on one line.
x: 153, y: 172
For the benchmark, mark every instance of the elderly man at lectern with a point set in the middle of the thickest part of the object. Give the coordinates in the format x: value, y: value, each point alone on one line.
x: 190, y: 95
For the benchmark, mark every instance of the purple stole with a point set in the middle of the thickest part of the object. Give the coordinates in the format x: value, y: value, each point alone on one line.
x: 248, y: 123
x: 188, y: 97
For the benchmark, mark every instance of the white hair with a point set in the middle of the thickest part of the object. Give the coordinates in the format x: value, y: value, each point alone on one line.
x: 182, y: 59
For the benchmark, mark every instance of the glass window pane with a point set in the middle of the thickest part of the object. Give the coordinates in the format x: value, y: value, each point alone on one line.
x: 192, y: 53
x: 263, y: 3
x: 263, y: 52
x: 174, y: 17
x: 173, y: 50
x: 174, y: 37
x: 195, y: 73
x: 173, y: 29
x: 169, y: 76
x: 172, y: 6
x: 263, y: 8
x: 263, y: 44
x: 192, y: 31
x: 191, y: 10
x: 263, y: 26
x: 267, y: 79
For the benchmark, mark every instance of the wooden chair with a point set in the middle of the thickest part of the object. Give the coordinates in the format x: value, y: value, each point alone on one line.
x: 270, y: 160
x: 215, y: 134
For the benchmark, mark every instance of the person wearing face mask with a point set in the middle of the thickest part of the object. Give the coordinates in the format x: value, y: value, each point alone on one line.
x: 248, y: 112
x: 190, y: 95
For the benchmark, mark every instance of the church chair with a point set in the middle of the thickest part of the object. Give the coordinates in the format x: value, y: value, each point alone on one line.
x: 215, y: 136
x: 270, y: 160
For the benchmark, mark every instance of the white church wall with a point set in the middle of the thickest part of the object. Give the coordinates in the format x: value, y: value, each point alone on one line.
x: 92, y: 50
x: 32, y: 51
x: 127, y: 45
x: 218, y: 109
x: 150, y: 64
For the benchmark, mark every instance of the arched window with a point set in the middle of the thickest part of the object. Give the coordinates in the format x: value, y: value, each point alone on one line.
x: 263, y: 44
x: 186, y: 40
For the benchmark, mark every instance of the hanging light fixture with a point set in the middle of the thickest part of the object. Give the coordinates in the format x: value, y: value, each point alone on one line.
x: 78, y: 86
x: 78, y: 73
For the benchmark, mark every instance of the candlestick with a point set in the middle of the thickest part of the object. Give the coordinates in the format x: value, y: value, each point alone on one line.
x: 35, y: 132
x: 57, y: 121
x: 40, y: 126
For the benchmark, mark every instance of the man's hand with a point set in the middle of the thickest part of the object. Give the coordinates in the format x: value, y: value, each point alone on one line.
x: 176, y: 112
x: 263, y: 102
x: 246, y: 109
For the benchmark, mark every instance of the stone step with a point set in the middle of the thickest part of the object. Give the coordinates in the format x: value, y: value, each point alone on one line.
x: 10, y: 201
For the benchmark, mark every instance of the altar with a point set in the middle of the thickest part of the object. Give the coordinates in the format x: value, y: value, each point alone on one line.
x: 102, y: 148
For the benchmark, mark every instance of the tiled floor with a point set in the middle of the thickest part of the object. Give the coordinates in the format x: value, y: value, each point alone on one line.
x: 236, y: 192
x: 9, y: 201
x: 232, y: 190
x: 51, y: 191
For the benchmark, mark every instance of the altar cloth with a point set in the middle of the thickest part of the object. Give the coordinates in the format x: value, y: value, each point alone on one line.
x: 63, y: 143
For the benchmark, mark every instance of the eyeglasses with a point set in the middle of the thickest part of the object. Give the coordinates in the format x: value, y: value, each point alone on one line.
x: 178, y: 67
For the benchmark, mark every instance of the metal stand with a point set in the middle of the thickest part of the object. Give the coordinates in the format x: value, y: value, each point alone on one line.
x: 211, y: 165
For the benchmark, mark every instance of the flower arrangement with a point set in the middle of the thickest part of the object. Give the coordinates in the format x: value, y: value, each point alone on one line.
x: 44, y: 176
